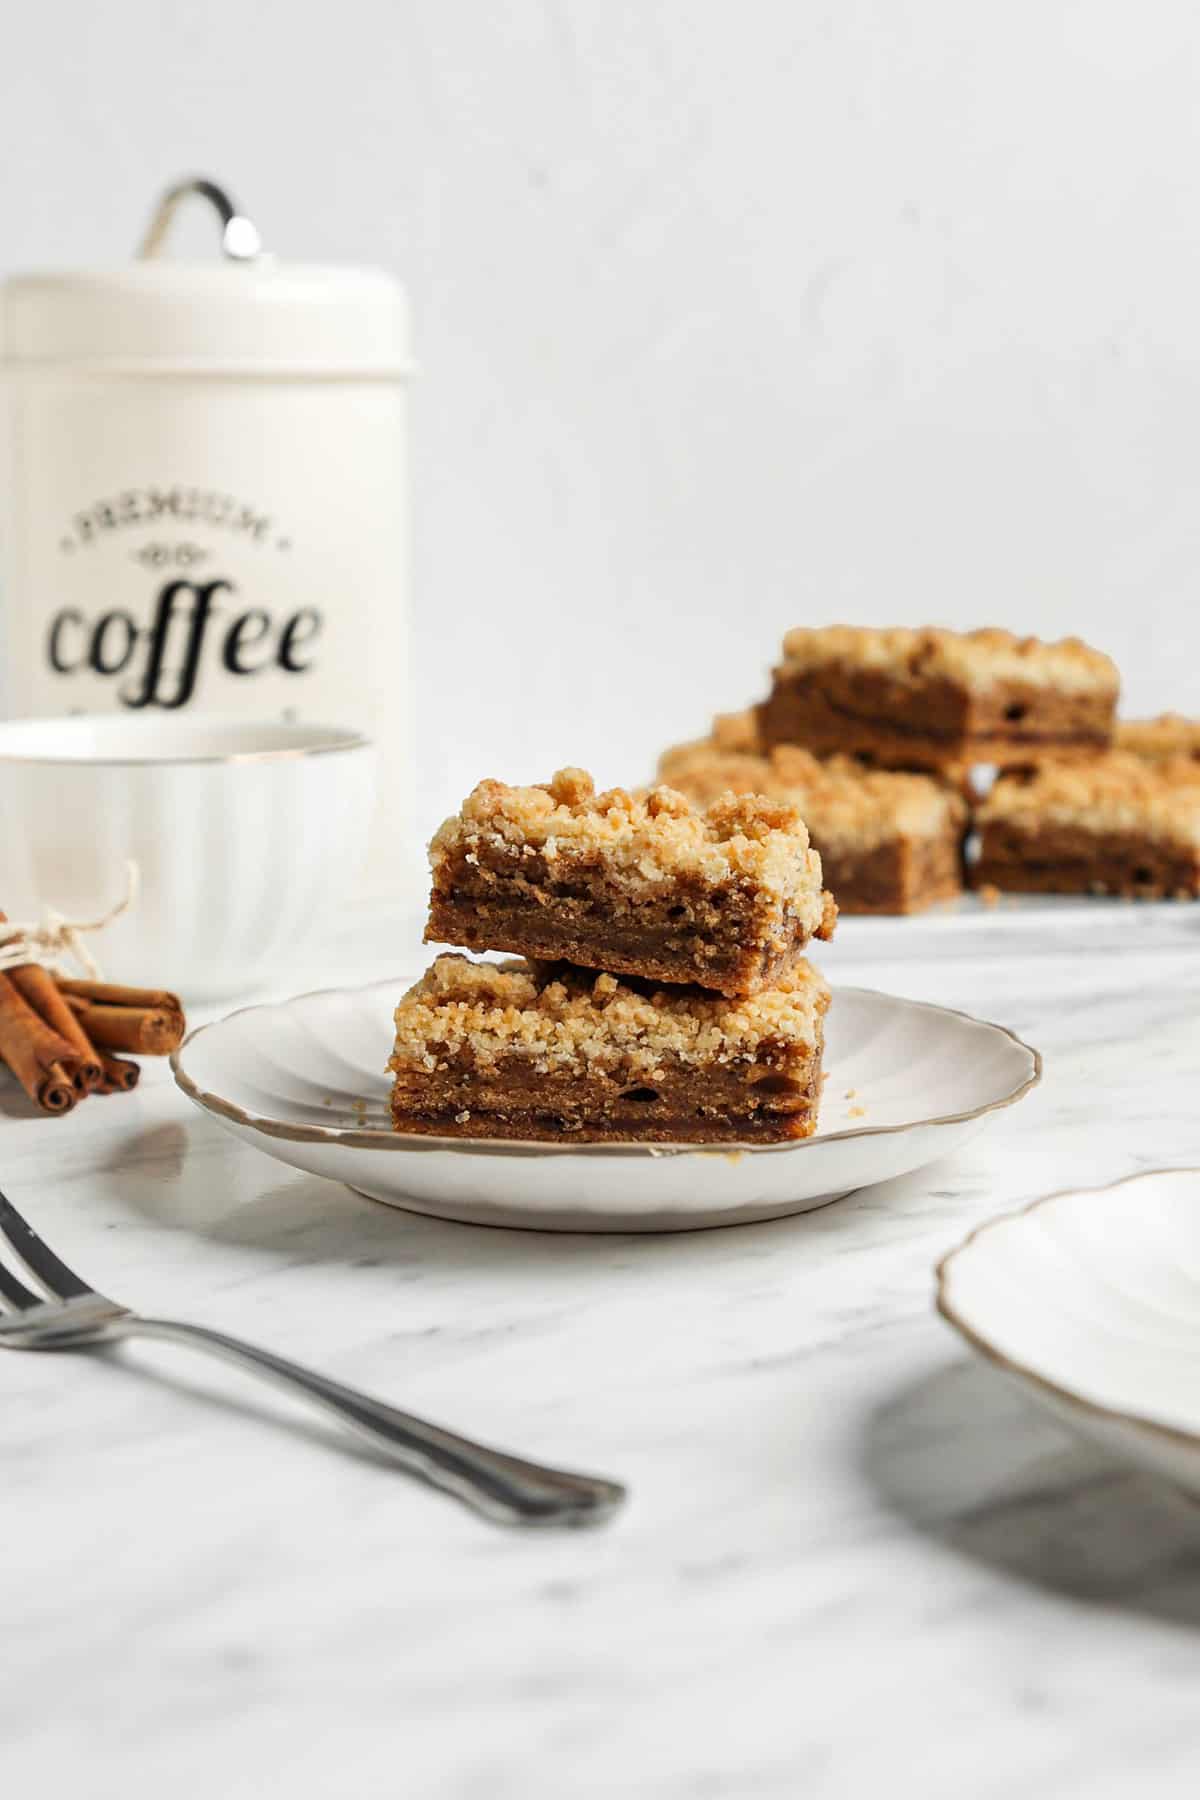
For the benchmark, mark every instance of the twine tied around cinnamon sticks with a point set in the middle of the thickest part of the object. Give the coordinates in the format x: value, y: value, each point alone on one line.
x: 57, y: 1033
x: 57, y: 936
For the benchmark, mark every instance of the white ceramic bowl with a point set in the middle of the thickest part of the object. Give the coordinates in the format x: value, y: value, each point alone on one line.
x: 246, y: 836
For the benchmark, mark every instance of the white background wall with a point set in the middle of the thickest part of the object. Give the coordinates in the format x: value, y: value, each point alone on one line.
x: 731, y: 314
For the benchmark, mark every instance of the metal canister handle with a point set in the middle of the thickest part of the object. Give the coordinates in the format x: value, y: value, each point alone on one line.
x: 240, y: 241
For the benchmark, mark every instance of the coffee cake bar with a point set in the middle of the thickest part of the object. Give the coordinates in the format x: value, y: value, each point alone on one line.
x: 931, y: 698
x: 647, y: 885
x: 1114, y: 825
x: 548, y: 1051
x: 1169, y: 735
x: 889, y: 842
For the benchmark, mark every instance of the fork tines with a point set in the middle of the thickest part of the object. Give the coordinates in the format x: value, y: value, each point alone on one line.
x: 22, y: 1243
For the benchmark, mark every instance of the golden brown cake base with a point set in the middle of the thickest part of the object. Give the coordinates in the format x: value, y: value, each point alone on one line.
x: 551, y: 1054
x: 684, y: 1106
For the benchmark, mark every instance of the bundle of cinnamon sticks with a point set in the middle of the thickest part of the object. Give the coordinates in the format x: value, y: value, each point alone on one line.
x: 64, y: 1039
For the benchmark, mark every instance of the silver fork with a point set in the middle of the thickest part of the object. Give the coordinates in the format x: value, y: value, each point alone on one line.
x: 69, y: 1315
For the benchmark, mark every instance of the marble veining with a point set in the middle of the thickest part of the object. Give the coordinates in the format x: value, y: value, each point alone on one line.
x: 855, y: 1561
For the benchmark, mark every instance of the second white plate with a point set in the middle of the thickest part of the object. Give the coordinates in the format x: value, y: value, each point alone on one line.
x: 304, y: 1081
x: 1091, y: 1300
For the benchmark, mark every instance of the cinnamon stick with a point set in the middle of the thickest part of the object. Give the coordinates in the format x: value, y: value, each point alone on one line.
x: 36, y: 1054
x: 57, y: 1092
x: 36, y: 986
x: 54, y: 1092
x: 138, y: 1030
x: 111, y: 993
x: 119, y: 1076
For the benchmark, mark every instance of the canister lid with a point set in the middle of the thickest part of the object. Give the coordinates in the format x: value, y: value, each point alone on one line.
x: 255, y: 317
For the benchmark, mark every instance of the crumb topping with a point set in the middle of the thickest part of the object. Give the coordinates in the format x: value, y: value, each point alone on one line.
x: 844, y: 803
x: 977, y: 659
x: 645, y: 841
x: 1170, y: 734
x: 1113, y: 792
x: 684, y: 767
x: 561, y: 1016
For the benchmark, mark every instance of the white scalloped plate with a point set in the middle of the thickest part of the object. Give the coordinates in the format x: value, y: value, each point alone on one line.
x: 1091, y: 1300
x: 304, y: 1081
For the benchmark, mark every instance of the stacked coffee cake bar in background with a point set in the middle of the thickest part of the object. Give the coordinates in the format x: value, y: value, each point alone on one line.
x: 939, y: 700
x: 881, y: 738
x: 662, y: 993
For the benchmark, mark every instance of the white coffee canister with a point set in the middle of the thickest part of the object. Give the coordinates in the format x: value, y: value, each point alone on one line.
x: 204, y: 490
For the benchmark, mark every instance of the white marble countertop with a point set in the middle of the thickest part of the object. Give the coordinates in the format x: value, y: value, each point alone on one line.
x: 855, y: 1561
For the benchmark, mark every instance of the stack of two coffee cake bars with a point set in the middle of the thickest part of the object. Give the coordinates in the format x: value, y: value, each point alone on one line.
x: 663, y: 994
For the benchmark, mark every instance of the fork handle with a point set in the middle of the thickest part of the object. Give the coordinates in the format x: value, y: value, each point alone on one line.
x: 504, y: 1488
